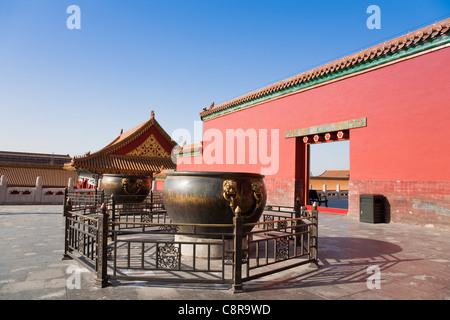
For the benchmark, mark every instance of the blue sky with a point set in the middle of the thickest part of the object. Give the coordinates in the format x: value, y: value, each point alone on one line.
x: 72, y: 91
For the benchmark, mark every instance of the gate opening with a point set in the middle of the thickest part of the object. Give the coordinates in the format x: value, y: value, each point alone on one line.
x: 329, y: 173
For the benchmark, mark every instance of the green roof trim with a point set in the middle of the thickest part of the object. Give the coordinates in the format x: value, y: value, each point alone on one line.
x: 189, y: 154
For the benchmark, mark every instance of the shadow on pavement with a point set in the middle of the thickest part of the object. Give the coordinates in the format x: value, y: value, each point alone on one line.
x: 342, y: 260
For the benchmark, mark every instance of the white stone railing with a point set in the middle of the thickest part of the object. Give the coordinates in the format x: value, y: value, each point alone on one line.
x: 31, y: 195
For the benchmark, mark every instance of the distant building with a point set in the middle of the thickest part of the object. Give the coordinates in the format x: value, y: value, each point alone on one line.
x: 22, y: 169
x: 34, y: 178
x: 330, y: 180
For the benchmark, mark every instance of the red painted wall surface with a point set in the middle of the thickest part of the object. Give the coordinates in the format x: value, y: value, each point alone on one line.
x: 407, y: 108
x: 159, y: 185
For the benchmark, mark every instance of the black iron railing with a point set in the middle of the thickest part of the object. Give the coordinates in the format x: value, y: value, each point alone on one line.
x: 135, y: 241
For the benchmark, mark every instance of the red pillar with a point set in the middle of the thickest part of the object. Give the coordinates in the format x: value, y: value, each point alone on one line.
x: 301, y: 170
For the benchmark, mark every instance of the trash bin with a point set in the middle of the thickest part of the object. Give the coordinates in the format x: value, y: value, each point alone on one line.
x: 371, y: 208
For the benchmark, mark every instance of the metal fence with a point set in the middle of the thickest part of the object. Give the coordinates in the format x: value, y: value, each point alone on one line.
x: 163, y: 254
x: 135, y: 241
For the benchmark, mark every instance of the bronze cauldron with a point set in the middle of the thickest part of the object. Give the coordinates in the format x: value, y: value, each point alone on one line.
x: 126, y: 188
x: 212, y: 198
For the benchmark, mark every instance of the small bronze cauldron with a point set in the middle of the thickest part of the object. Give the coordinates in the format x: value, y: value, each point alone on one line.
x: 126, y: 188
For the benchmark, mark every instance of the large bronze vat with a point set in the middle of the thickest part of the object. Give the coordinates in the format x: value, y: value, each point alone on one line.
x: 212, y: 197
x: 126, y: 188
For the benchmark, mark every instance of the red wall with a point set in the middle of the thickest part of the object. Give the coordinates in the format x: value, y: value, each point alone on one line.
x: 407, y: 109
x: 159, y: 185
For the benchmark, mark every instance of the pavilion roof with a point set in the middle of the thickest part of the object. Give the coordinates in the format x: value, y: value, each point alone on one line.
x: 144, y: 149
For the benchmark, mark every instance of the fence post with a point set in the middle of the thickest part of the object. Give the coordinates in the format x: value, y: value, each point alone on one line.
x: 237, y: 267
x: 102, y: 243
x: 151, y: 200
x: 314, y: 237
x: 113, y: 215
x: 67, y: 207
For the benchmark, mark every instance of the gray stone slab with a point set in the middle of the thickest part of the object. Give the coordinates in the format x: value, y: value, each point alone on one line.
x: 414, y: 264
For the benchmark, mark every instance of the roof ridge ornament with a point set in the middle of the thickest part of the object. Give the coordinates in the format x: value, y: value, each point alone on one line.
x: 210, y: 106
x: 152, y: 115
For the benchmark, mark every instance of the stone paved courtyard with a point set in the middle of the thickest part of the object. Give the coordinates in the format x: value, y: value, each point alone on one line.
x: 414, y: 264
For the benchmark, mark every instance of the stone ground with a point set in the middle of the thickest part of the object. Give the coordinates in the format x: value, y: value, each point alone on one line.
x: 414, y: 264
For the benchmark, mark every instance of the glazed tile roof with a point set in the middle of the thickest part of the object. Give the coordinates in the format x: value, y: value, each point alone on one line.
x: 105, y: 161
x: 33, y: 158
x: 334, y: 174
x: 125, y: 138
x: 386, y: 48
x: 24, y: 175
x: 191, y: 149
x: 123, y: 164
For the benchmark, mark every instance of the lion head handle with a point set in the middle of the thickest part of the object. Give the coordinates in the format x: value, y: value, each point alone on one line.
x: 126, y: 187
x: 230, y: 193
x: 257, y: 188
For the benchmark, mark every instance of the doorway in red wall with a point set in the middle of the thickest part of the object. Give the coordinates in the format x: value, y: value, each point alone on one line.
x: 329, y: 172
x: 317, y: 135
x: 323, y: 166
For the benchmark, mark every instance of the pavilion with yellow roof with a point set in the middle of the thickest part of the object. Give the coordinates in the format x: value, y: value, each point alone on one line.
x: 143, y: 150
